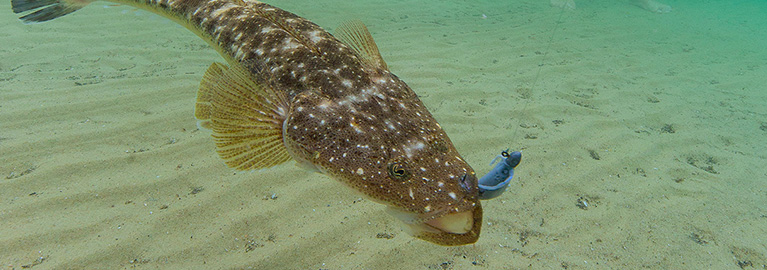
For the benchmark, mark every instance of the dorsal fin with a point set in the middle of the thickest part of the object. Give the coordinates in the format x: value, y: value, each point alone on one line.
x: 245, y: 117
x: 355, y: 35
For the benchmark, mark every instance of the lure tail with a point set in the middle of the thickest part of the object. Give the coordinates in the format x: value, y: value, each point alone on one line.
x: 46, y: 10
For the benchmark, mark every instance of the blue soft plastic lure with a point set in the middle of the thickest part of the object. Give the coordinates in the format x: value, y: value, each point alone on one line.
x: 495, y: 182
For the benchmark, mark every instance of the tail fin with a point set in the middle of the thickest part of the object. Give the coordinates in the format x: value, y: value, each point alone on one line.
x: 46, y: 10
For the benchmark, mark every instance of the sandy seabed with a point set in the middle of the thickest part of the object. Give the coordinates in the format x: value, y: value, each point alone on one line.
x: 643, y: 138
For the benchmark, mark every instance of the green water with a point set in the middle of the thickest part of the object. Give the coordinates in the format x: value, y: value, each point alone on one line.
x: 657, y: 121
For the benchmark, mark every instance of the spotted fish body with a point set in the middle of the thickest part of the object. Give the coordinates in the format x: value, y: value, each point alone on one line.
x: 293, y: 91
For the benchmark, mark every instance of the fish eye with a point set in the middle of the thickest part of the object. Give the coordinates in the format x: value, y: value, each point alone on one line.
x: 398, y: 171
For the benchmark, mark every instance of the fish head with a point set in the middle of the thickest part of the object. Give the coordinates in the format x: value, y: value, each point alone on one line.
x: 438, y: 194
x: 394, y: 153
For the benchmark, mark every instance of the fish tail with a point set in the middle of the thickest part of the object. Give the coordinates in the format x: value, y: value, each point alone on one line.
x: 46, y: 10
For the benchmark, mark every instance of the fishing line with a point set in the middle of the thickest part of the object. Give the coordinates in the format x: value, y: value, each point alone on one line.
x: 495, y: 182
x: 540, y: 66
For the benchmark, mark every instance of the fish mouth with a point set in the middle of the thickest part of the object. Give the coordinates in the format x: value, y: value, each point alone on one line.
x: 451, y: 229
x: 456, y: 223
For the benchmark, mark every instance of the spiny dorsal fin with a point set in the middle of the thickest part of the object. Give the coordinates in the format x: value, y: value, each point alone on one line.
x: 245, y: 117
x: 355, y: 35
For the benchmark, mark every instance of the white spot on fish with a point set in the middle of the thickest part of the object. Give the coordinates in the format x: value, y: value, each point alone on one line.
x: 266, y: 30
x: 389, y: 125
x: 289, y: 45
x: 412, y: 147
x: 356, y: 128
x: 220, y: 11
x: 314, y: 36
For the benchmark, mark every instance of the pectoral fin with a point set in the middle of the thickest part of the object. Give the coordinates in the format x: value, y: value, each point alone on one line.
x: 46, y: 10
x: 246, y: 118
